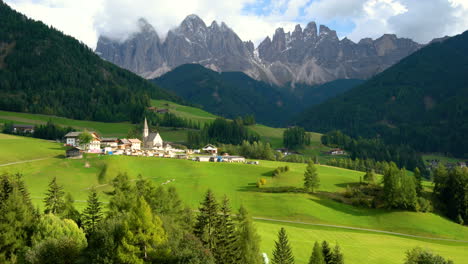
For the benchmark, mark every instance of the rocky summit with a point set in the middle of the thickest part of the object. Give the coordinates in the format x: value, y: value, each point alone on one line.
x: 306, y: 56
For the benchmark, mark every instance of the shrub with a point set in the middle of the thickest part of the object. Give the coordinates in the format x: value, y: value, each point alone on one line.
x: 424, y: 205
x: 263, y: 181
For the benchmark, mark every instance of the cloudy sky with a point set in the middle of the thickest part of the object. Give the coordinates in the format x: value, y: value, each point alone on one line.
x: 421, y: 20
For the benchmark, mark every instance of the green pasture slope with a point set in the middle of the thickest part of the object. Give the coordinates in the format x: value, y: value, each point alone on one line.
x: 237, y: 181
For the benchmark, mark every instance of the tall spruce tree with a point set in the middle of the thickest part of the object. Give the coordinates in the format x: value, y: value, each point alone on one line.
x: 317, y: 255
x: 311, y: 178
x: 248, y: 239
x: 92, y: 214
x: 207, y: 221
x: 282, y: 254
x: 226, y: 251
x: 327, y: 253
x: 338, y: 257
x: 69, y: 211
x: 418, y: 179
x: 54, y: 200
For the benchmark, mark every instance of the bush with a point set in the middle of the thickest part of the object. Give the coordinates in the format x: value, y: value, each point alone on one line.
x: 263, y: 181
x: 424, y: 205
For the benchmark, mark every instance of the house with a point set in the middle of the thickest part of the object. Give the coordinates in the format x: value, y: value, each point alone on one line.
x: 336, y: 151
x: 135, y: 144
x: 253, y: 162
x: 23, y: 129
x: 162, y: 111
x: 124, y: 143
x: 203, y: 158
x: 210, y: 149
x: 74, y: 153
x: 112, y: 142
x: 72, y: 139
x: 238, y: 159
x: 151, y: 140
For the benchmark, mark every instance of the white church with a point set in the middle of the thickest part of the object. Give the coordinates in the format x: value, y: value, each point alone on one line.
x: 153, y: 140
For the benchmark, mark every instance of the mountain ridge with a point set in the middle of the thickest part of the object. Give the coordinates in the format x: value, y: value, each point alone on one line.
x: 305, y: 56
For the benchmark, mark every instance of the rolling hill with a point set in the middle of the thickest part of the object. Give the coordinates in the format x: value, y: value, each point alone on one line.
x: 421, y: 101
x: 192, y: 179
x: 44, y: 71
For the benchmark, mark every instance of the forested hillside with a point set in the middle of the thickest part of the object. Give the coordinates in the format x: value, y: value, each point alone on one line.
x: 420, y: 101
x: 231, y: 94
x: 44, y: 71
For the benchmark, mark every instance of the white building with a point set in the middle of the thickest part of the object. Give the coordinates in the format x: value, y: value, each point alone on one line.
x: 72, y: 139
x: 151, y: 140
x: 210, y: 149
x: 135, y: 144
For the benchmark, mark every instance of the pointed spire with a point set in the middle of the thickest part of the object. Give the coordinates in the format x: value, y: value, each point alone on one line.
x: 145, y: 130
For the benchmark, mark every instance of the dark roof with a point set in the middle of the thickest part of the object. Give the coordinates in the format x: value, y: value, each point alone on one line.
x: 22, y: 126
x: 151, y: 136
x: 111, y: 139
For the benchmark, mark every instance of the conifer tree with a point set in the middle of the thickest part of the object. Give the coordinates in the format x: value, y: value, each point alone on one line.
x: 207, y: 221
x: 248, y: 239
x: 92, y: 215
x: 226, y: 251
x: 311, y: 179
x: 327, y: 252
x: 317, y: 255
x: 337, y: 255
x: 54, y: 200
x: 418, y: 178
x: 282, y: 254
x: 69, y: 211
x: 369, y: 177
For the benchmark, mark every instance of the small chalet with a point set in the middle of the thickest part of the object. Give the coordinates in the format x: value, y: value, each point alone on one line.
x: 210, y: 149
x: 124, y: 143
x: 336, y: 151
x: 112, y: 142
x: 72, y: 139
x: 23, y: 129
x: 135, y: 144
x: 74, y: 153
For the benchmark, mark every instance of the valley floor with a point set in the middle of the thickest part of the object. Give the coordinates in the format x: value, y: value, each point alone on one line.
x: 40, y: 160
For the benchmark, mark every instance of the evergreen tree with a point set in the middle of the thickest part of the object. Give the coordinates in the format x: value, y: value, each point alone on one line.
x: 327, y: 252
x: 282, y: 254
x: 311, y: 179
x: 337, y: 255
x: 54, y: 200
x: 369, y: 177
x: 69, y: 210
x: 418, y: 178
x: 317, y: 255
x: 207, y: 221
x: 146, y: 228
x: 92, y: 214
x: 226, y: 251
x: 123, y: 197
x: 17, y: 222
x: 248, y: 239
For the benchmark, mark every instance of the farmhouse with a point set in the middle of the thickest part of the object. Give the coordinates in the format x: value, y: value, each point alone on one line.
x: 203, y: 158
x: 110, y: 142
x: 135, y: 144
x: 231, y: 159
x: 24, y: 129
x: 124, y: 143
x: 210, y: 149
x: 336, y: 151
x: 74, y: 153
x: 72, y: 139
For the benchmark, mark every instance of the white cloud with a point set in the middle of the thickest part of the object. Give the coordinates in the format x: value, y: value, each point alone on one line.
x: 86, y: 19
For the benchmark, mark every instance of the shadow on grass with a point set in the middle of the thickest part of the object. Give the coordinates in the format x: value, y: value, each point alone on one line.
x: 252, y: 187
x: 347, y: 208
x: 346, y: 184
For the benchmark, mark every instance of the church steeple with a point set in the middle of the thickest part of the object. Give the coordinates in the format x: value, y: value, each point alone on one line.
x: 145, y: 130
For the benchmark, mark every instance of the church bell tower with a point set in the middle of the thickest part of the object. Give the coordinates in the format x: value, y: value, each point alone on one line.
x: 145, y: 130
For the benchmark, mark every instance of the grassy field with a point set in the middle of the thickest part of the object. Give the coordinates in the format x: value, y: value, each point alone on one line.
x: 188, y: 112
x: 237, y: 181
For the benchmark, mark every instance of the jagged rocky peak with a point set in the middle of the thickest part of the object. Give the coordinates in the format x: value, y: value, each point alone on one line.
x: 366, y: 41
x: 192, y: 23
x: 310, y: 31
x: 144, y: 26
x: 326, y: 32
x: 279, y: 39
x: 297, y: 33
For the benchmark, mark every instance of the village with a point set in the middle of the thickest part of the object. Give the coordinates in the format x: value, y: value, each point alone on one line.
x: 151, y: 145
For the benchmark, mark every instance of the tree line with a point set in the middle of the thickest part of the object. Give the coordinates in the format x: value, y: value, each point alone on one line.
x: 295, y: 138
x: 50, y: 131
x: 170, y: 120
x: 221, y: 131
x: 375, y: 149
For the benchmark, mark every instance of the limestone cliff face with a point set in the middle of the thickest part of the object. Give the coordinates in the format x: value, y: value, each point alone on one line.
x: 306, y: 55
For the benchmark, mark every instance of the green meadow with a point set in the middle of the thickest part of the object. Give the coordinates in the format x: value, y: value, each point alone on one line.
x: 237, y: 181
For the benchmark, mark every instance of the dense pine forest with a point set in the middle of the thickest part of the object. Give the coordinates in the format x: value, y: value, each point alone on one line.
x: 420, y: 101
x: 44, y: 71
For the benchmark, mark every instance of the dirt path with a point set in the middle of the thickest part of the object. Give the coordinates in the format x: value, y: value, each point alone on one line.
x: 361, y: 229
x: 22, y: 161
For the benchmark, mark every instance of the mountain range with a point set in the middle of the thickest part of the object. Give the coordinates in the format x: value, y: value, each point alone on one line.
x: 420, y: 101
x: 305, y: 56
